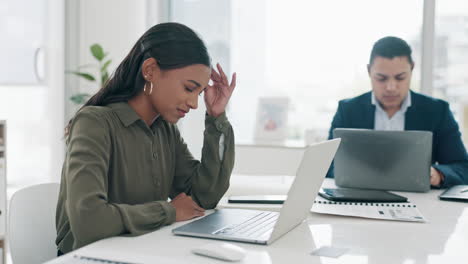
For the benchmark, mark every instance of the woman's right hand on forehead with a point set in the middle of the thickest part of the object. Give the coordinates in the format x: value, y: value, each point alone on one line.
x: 218, y: 94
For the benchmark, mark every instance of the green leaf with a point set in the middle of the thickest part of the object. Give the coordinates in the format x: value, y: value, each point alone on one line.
x: 84, y: 75
x: 106, y: 64
x: 80, y: 98
x: 104, y: 78
x: 97, y: 52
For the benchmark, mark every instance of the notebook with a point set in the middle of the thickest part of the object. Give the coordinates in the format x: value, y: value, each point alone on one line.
x: 117, y: 258
x: 76, y: 259
x: 385, y: 211
x: 455, y: 193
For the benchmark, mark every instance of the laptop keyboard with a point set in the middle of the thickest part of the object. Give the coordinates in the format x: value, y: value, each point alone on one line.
x: 260, y: 225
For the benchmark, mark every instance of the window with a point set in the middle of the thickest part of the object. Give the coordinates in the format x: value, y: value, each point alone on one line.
x: 32, y: 106
x: 22, y: 48
x: 451, y: 56
x: 314, y: 53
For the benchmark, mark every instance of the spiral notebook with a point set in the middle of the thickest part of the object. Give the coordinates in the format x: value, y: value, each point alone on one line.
x: 386, y: 211
x: 118, y: 257
x: 77, y: 259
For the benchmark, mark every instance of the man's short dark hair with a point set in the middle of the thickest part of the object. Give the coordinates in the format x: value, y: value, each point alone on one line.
x: 391, y: 47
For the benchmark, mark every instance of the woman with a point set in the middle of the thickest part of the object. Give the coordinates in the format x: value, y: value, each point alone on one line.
x: 125, y: 157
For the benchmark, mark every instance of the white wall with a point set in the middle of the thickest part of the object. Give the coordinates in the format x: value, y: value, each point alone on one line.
x: 267, y: 160
x: 115, y: 24
x: 55, y: 76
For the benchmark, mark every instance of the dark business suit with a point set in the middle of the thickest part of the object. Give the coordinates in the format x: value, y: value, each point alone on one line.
x: 425, y: 113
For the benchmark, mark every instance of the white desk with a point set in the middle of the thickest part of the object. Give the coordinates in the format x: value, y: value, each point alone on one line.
x: 444, y: 239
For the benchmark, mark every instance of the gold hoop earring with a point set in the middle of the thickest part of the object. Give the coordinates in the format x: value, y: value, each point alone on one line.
x: 150, y: 90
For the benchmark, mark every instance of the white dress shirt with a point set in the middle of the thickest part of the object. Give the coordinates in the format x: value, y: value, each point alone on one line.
x: 396, y: 122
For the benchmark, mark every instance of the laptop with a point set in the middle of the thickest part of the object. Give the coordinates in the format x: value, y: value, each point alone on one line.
x: 383, y: 160
x: 264, y: 227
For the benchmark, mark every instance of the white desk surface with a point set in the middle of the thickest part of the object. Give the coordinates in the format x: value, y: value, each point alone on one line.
x: 443, y: 239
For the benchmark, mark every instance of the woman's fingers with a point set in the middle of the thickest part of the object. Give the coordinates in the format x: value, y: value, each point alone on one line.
x: 221, y: 72
x: 220, y: 80
x: 233, y: 81
x: 196, y: 207
x: 197, y: 210
x: 215, y: 76
x: 200, y: 214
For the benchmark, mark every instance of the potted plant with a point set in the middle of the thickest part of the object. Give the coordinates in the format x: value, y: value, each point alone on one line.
x: 101, y: 78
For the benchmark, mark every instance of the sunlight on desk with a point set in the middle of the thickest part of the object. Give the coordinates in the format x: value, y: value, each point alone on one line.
x: 456, y: 246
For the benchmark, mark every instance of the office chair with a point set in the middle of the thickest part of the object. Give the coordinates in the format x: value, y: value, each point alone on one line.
x: 31, y: 226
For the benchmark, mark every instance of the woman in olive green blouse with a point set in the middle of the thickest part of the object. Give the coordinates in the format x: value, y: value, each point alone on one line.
x: 125, y: 156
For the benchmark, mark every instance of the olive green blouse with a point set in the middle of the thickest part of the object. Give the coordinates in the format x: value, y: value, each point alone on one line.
x: 119, y: 173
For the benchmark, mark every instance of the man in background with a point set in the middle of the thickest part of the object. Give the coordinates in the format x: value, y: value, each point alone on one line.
x: 391, y: 105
